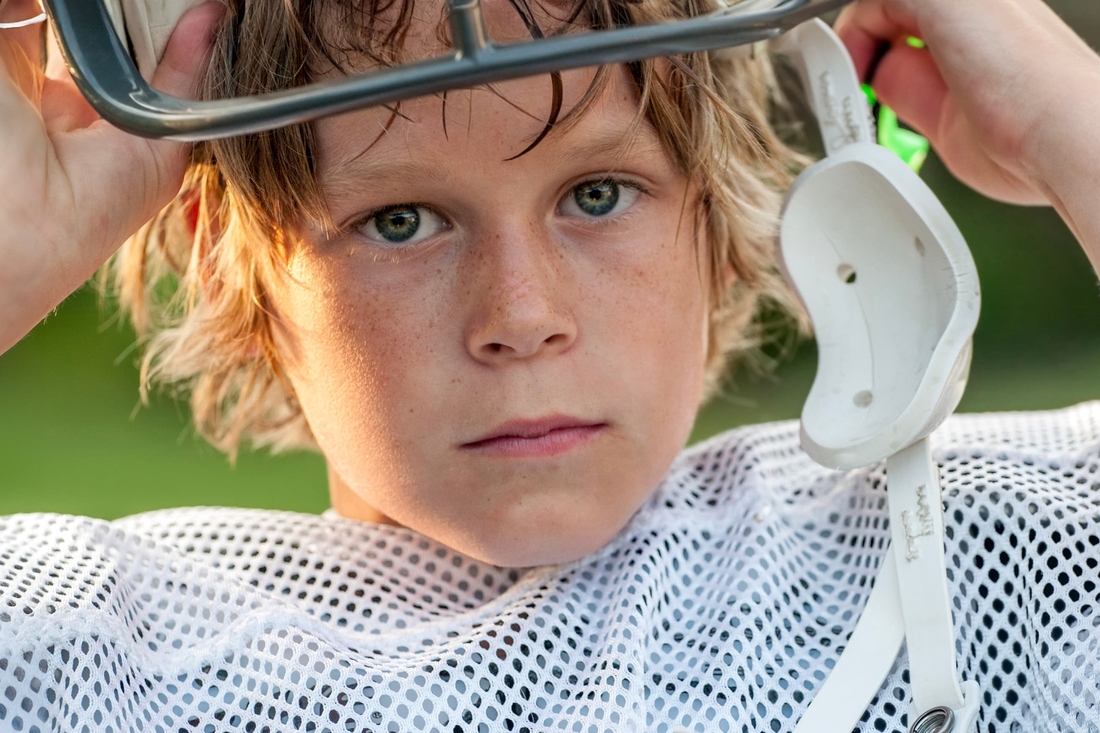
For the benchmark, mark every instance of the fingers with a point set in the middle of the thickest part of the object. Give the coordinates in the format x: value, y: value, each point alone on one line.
x: 21, y: 50
x: 180, y: 72
x: 146, y: 173
x: 909, y: 82
x: 75, y: 187
x: 63, y: 107
x: 185, y: 59
x: 29, y: 37
x: 906, y: 79
x: 187, y: 53
x: 870, y: 27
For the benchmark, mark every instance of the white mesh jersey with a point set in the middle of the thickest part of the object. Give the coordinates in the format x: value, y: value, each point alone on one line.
x: 722, y: 606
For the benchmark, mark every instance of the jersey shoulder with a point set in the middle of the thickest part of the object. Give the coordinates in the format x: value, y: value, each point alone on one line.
x: 1060, y: 447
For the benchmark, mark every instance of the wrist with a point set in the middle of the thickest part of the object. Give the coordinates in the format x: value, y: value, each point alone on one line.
x: 1062, y: 157
x: 1062, y: 149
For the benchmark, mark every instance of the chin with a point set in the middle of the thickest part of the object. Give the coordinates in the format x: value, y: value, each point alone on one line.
x: 552, y: 537
x: 550, y: 518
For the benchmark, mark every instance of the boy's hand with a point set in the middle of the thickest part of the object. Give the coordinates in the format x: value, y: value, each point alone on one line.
x: 72, y: 187
x: 992, y: 90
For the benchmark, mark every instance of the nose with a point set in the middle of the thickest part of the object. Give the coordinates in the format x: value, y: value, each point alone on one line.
x: 522, y: 298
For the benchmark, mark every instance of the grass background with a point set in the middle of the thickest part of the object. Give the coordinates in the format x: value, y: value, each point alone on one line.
x: 74, y: 439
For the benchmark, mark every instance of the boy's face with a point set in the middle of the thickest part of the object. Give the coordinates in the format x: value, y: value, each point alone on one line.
x: 504, y: 355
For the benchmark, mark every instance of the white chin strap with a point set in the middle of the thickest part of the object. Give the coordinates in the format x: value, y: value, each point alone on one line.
x: 890, y: 285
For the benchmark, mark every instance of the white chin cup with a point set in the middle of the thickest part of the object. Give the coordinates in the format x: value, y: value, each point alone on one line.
x: 893, y: 294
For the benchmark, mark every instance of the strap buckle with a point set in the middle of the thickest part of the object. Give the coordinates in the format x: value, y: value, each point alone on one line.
x: 936, y: 720
x: 942, y: 719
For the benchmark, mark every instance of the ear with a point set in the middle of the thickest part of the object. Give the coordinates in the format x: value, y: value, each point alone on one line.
x: 729, y: 275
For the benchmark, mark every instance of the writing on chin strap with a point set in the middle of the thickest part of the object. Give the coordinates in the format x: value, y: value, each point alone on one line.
x: 916, y: 523
x: 909, y: 601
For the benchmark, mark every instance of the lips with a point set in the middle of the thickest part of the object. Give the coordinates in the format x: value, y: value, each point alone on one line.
x: 536, y: 438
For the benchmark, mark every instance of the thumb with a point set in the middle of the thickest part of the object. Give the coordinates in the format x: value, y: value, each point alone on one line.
x: 872, y: 26
x: 181, y: 70
x: 187, y: 54
x: 909, y: 82
x: 149, y: 171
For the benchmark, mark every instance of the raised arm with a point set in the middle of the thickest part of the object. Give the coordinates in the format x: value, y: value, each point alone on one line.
x: 1008, y: 94
x: 73, y: 188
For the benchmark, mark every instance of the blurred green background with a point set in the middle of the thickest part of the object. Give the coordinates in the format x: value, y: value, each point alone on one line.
x: 74, y: 439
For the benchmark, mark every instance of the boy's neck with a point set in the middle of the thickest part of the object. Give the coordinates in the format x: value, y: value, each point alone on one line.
x: 350, y: 505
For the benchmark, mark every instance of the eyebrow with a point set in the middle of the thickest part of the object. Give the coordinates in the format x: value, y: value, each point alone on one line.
x: 616, y: 141
x: 382, y: 168
x: 348, y: 176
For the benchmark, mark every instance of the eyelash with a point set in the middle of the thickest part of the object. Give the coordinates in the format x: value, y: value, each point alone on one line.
x: 361, y: 221
x: 604, y: 221
x: 599, y: 221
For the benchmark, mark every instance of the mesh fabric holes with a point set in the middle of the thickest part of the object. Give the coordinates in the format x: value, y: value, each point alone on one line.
x: 721, y: 607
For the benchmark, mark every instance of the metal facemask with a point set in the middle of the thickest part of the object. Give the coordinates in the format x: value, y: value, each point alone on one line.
x: 112, y: 47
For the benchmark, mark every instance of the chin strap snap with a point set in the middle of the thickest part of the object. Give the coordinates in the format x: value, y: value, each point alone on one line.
x: 942, y: 719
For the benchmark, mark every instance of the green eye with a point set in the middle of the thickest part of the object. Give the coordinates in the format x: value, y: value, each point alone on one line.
x: 403, y: 224
x: 598, y: 198
x: 601, y: 198
x: 397, y: 225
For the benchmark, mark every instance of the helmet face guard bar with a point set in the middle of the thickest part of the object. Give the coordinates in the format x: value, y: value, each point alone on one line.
x: 105, y: 74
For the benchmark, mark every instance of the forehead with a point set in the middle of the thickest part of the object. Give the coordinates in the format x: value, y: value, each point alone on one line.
x: 484, y: 128
x: 501, y: 120
x: 358, y: 34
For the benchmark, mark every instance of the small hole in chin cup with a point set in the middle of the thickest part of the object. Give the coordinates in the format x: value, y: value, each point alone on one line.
x: 846, y: 273
x: 863, y: 399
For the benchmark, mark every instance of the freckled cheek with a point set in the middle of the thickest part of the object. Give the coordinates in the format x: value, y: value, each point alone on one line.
x: 644, y: 311
x: 364, y: 356
x: 658, y: 297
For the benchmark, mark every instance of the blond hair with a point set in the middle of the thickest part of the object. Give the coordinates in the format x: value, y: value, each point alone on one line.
x: 194, y: 278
